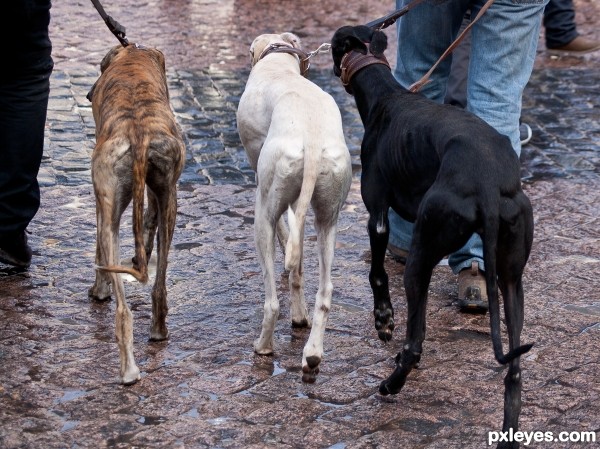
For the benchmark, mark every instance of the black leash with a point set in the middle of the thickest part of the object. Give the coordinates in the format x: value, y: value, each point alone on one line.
x: 390, y: 19
x: 115, y: 27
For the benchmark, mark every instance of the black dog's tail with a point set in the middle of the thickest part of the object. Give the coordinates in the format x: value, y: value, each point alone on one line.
x: 491, y: 226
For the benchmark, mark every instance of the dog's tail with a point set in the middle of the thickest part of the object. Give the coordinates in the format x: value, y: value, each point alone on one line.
x: 297, y: 218
x: 139, y: 145
x: 490, y: 238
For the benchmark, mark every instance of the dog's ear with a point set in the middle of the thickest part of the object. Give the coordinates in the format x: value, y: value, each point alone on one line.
x: 109, y: 57
x: 346, y: 39
x: 90, y: 95
x: 257, y: 47
x: 378, y: 43
x: 292, y: 39
x: 159, y: 57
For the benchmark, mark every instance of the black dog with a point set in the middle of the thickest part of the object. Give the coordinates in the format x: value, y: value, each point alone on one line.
x: 452, y: 175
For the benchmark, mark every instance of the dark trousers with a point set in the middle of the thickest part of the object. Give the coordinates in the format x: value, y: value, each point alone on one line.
x: 24, y: 92
x: 559, y: 22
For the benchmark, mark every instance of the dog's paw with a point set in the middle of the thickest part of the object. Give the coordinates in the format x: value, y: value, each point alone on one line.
x: 158, y: 335
x: 131, y: 376
x: 393, y: 384
x: 99, y: 294
x: 304, y: 322
x: 384, y: 323
x: 263, y: 349
x: 310, y: 369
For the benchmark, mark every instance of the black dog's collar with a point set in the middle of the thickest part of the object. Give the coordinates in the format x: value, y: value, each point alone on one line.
x: 354, y: 61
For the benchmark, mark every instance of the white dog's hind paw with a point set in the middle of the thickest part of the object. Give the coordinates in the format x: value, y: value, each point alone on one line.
x: 310, y: 369
x: 263, y: 349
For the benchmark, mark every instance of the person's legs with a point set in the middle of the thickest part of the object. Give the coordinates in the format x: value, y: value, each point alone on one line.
x: 559, y: 23
x: 24, y: 92
x: 507, y: 32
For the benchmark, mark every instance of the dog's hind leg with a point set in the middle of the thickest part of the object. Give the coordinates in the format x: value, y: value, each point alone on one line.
x: 109, y: 205
x: 417, y: 276
x: 298, y: 309
x: 150, y: 225
x: 166, y: 200
x: 439, y: 230
x: 514, y: 244
x: 513, y: 305
x: 101, y: 289
x: 282, y: 234
x: 264, y: 236
x: 313, y: 350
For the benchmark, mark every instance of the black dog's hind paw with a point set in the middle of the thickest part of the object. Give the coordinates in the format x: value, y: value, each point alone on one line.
x: 384, y: 323
x: 405, y: 362
x: 394, y: 383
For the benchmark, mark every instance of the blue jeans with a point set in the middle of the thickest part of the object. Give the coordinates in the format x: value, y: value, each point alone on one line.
x: 503, y: 48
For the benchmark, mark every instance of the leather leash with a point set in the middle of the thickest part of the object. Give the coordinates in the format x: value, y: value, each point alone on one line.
x: 115, y: 27
x: 388, y: 20
x: 415, y: 87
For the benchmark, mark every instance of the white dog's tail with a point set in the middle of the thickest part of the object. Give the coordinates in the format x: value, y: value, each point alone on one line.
x: 296, y: 219
x: 139, y: 145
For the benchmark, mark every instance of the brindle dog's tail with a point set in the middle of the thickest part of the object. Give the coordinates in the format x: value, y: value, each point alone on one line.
x: 296, y: 219
x: 490, y: 238
x: 139, y: 145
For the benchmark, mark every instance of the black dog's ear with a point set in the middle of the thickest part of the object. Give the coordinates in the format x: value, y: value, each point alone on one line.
x: 378, y: 43
x: 346, y: 40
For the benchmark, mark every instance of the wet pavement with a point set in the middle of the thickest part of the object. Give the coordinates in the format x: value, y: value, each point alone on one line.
x: 205, y: 387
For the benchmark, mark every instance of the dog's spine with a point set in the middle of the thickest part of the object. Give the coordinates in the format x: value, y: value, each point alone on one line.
x: 296, y: 219
x: 490, y: 237
x: 139, y: 145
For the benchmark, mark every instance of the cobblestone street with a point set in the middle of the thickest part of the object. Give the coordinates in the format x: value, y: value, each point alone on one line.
x: 205, y: 387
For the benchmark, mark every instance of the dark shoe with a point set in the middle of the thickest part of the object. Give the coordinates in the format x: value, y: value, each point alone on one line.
x: 526, y: 133
x: 398, y: 254
x: 579, y: 45
x: 472, y: 293
x: 15, y: 251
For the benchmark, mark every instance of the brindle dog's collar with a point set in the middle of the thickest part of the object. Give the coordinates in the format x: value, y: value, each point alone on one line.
x: 354, y: 61
x: 284, y: 48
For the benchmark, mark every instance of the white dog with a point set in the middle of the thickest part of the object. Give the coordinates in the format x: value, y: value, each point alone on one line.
x: 292, y: 133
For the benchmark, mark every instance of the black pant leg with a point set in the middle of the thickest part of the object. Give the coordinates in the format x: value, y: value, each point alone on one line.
x: 559, y: 23
x: 24, y: 92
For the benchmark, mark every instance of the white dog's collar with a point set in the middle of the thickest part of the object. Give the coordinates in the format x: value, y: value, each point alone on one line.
x: 303, y: 57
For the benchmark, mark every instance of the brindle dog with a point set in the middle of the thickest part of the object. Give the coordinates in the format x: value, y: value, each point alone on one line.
x: 138, y: 144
